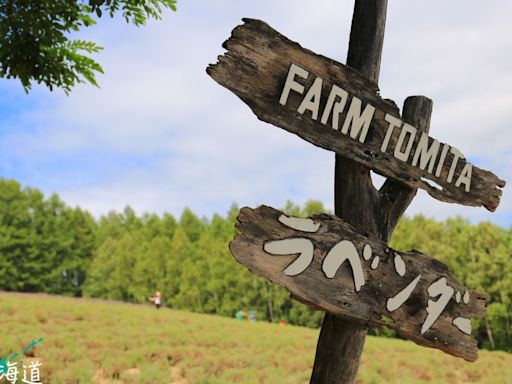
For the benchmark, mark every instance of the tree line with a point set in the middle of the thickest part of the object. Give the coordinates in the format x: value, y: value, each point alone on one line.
x: 47, y: 246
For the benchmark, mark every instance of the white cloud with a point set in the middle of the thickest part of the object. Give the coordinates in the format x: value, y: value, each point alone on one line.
x: 195, y: 144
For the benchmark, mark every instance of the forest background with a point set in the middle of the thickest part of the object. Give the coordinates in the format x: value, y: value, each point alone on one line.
x: 48, y: 246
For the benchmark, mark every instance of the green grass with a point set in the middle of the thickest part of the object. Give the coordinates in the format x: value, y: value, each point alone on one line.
x: 95, y: 341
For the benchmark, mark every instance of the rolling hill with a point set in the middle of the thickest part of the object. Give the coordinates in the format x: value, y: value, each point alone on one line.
x: 98, y: 341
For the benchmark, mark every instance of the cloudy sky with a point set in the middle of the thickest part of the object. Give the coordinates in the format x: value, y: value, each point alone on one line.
x: 160, y: 134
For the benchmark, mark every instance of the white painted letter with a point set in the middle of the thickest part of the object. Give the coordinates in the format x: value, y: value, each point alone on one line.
x: 434, y: 308
x: 465, y: 177
x: 393, y: 123
x: 312, y: 99
x: 357, y: 121
x: 291, y: 247
x: 401, y: 297
x: 367, y: 252
x: 300, y: 224
x: 406, y: 129
x: 463, y: 324
x: 456, y: 156
x: 441, y: 160
x: 344, y: 250
x: 339, y: 106
x: 291, y: 84
x: 426, y: 155
x: 399, y: 264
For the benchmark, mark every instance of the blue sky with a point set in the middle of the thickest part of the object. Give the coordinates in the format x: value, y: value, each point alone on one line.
x: 160, y: 134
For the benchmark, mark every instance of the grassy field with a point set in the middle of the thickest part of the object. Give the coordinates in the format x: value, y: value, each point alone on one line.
x: 94, y: 341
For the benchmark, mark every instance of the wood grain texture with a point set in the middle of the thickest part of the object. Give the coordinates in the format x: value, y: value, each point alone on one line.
x: 255, y: 68
x: 341, y: 341
x: 338, y: 295
x: 394, y: 197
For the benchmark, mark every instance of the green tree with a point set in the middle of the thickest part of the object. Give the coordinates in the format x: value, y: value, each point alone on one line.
x: 148, y: 274
x: 35, y: 44
x: 44, y: 245
x: 100, y: 270
x: 292, y: 209
x: 74, y: 267
x: 112, y: 271
x: 116, y: 224
x: 192, y: 225
x: 47, y: 246
x: 233, y: 213
x: 16, y: 236
x: 169, y: 225
x: 180, y: 250
x: 312, y: 207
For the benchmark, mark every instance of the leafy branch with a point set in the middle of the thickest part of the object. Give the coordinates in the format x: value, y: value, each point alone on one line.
x: 35, y: 44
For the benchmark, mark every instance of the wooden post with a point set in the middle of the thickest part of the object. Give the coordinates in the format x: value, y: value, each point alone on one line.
x: 356, y: 200
x: 270, y: 73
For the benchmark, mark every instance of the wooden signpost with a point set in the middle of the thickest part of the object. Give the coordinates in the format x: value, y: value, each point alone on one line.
x: 341, y: 264
x: 325, y: 263
x: 336, y: 108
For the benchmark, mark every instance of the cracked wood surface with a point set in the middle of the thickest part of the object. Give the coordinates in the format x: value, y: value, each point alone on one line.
x: 255, y: 68
x: 338, y: 295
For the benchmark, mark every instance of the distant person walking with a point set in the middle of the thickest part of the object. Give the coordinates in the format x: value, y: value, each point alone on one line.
x: 157, y: 299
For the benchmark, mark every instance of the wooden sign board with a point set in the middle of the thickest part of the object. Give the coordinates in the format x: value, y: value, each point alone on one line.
x: 326, y: 264
x: 336, y: 108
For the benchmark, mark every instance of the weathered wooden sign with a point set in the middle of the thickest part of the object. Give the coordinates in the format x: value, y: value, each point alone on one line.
x: 326, y: 264
x: 336, y: 108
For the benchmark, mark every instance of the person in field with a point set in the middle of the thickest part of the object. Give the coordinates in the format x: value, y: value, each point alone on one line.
x: 157, y: 299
